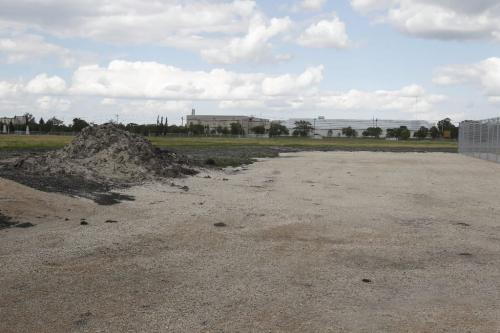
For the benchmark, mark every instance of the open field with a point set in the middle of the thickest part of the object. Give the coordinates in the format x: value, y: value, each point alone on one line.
x: 13, y: 142
x: 190, y: 143
x: 310, y: 242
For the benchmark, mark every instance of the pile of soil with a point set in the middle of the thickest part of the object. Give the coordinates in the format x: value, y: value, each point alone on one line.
x: 106, y: 154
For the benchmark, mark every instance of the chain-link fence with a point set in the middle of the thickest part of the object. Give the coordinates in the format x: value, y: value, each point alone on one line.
x: 480, y: 139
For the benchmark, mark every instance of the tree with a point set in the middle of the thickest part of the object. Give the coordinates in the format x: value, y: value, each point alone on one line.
x: 375, y: 132
x: 404, y: 133
x: 277, y: 130
x: 54, y: 124
x: 434, y: 132
x: 196, y: 129
x: 349, y: 132
x: 30, y: 120
x: 447, y: 129
x: 237, y: 129
x: 165, y: 127
x: 401, y: 133
x: 79, y: 124
x: 302, y: 128
x: 222, y: 130
x: 391, y: 133
x: 260, y: 129
x: 177, y: 129
x: 422, y: 133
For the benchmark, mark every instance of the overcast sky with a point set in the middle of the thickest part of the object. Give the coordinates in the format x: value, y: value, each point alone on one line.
x: 400, y: 59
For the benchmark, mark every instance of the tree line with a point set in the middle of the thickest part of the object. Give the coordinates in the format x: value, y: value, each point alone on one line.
x: 161, y: 128
x: 444, y: 129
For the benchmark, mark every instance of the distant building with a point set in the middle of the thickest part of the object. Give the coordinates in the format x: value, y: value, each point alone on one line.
x: 7, y: 122
x: 16, y: 120
x: 212, y: 122
x: 333, y: 127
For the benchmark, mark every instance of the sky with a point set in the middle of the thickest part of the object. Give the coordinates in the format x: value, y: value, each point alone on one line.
x: 135, y: 60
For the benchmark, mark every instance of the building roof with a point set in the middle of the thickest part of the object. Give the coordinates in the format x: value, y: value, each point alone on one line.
x: 222, y: 117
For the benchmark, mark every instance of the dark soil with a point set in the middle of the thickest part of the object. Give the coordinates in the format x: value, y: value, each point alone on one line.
x: 111, y: 198
x: 24, y: 225
x: 101, y: 193
x: 236, y: 156
x: 6, y: 222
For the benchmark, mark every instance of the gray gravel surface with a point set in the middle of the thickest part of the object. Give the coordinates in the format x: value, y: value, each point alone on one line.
x: 310, y: 242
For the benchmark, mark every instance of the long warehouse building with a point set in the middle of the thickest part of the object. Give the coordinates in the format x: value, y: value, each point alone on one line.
x: 333, y: 127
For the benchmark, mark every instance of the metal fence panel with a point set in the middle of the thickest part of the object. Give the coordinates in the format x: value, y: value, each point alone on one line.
x: 480, y: 139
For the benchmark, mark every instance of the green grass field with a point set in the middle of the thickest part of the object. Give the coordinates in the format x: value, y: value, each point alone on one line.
x: 13, y: 142
x: 293, y: 142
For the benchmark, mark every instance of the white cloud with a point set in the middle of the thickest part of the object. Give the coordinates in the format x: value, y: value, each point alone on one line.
x: 138, y: 91
x: 329, y: 33
x: 409, y: 99
x: 16, y: 99
x: 310, y: 4
x: 153, y: 80
x: 9, y: 89
x: 50, y: 103
x: 221, y: 31
x: 291, y: 85
x: 447, y: 19
x: 485, y: 74
x: 252, y: 47
x: 43, y: 84
x: 367, y: 6
x: 247, y: 104
x: 127, y: 21
x: 26, y: 47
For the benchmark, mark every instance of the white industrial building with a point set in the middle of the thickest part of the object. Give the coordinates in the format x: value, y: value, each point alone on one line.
x: 333, y: 127
x: 212, y: 122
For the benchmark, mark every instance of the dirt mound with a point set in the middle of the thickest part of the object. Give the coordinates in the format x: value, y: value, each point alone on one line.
x: 109, y: 154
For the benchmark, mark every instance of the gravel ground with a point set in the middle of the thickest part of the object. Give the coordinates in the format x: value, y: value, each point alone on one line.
x: 310, y: 242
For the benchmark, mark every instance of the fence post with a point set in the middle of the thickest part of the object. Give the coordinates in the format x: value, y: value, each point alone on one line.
x: 498, y: 140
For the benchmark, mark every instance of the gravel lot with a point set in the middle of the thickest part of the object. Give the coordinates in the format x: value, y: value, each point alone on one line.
x: 310, y: 242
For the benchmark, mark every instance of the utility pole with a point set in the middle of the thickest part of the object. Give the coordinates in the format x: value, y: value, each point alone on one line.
x: 117, y: 118
x: 416, y: 107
